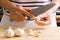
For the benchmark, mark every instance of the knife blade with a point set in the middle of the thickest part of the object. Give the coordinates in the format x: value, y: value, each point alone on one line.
x: 40, y: 10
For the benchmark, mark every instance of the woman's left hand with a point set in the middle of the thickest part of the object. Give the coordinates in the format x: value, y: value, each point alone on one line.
x: 43, y: 19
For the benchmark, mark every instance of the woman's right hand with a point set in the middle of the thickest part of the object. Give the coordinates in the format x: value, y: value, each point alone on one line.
x: 16, y: 13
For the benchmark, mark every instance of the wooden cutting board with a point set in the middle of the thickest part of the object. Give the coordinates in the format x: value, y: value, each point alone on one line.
x: 46, y: 34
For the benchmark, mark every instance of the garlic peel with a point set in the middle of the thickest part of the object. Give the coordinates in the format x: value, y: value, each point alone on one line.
x: 37, y: 33
x: 31, y: 32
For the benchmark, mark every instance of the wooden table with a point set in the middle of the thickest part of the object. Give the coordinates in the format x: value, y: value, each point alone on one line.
x: 46, y: 34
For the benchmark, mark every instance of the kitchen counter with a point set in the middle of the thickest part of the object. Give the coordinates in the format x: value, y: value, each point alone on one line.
x: 46, y: 34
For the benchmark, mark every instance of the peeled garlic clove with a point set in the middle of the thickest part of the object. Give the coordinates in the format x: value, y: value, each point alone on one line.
x: 38, y: 18
x: 9, y: 32
x: 19, y: 32
x: 31, y: 32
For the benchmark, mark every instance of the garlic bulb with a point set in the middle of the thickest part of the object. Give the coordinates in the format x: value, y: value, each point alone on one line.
x: 9, y: 32
x: 19, y: 32
x: 31, y: 32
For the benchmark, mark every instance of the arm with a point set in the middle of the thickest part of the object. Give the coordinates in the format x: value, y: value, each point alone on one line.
x: 46, y: 15
x: 7, y: 4
x: 16, y: 13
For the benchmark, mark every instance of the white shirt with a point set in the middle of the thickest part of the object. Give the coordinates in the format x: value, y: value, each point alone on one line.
x: 28, y: 3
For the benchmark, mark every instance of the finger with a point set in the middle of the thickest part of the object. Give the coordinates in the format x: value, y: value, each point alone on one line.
x: 43, y: 23
x: 27, y: 9
x: 14, y: 17
x: 40, y: 23
x: 19, y: 15
x: 25, y: 12
x: 28, y: 14
x: 22, y: 17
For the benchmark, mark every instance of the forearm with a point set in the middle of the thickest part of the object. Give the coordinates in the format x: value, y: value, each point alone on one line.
x: 3, y: 2
x: 7, y: 4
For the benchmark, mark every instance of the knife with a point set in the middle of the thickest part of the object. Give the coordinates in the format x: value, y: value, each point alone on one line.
x: 40, y: 10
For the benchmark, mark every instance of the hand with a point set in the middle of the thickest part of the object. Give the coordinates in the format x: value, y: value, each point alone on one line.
x: 16, y: 13
x: 20, y: 17
x: 43, y: 20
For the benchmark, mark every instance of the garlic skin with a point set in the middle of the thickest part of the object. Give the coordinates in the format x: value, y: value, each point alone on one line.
x: 37, y: 33
x: 19, y: 32
x: 9, y: 33
x: 31, y: 32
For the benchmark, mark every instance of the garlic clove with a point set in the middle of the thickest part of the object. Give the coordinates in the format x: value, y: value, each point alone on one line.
x: 19, y: 32
x: 38, y: 18
x: 31, y: 32
x: 37, y: 34
x: 9, y: 32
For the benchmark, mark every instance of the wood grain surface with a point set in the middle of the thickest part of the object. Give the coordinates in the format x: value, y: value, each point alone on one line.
x: 46, y: 34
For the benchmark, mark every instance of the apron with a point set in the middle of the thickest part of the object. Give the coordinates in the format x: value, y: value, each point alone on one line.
x: 6, y: 19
